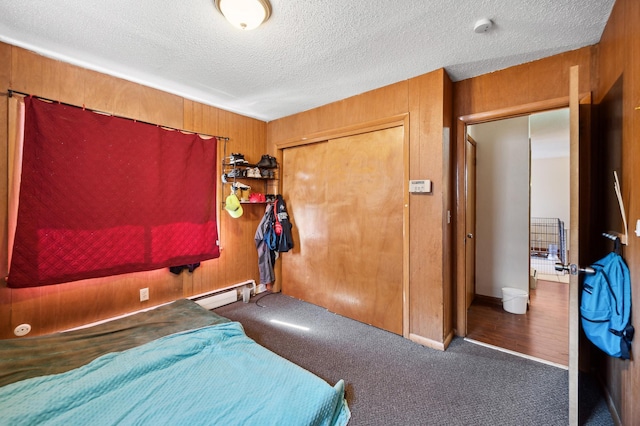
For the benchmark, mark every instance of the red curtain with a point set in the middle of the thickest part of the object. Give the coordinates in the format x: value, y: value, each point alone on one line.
x: 102, y: 195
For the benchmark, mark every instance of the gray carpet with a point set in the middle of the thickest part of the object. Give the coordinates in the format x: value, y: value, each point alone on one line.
x: 393, y: 381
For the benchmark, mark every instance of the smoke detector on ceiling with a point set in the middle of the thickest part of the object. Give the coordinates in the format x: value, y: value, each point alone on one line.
x: 483, y: 25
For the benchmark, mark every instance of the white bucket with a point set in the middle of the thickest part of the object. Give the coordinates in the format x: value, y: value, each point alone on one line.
x: 514, y: 300
x: 246, y: 294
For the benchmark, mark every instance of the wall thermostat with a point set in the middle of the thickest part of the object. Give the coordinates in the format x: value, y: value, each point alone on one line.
x: 420, y: 186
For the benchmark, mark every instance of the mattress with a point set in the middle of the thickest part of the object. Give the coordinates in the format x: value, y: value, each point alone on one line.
x: 179, y: 364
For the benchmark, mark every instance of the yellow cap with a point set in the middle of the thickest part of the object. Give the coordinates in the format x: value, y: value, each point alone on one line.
x: 233, y: 206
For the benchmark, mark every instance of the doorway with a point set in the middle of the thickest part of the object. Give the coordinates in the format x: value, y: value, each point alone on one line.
x: 581, y: 201
x: 522, y: 174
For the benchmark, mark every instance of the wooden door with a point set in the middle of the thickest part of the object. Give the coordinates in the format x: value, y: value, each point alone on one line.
x: 574, y: 240
x: 470, y: 221
x: 305, y: 271
x: 345, y: 197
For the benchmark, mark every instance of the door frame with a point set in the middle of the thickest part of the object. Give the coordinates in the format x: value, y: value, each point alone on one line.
x: 461, y: 135
x: 461, y: 209
x: 470, y: 182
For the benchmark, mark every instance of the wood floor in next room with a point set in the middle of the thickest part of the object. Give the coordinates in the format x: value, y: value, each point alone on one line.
x: 543, y: 332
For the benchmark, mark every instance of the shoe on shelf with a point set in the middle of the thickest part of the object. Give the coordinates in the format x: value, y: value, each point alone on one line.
x: 242, y: 191
x: 237, y: 158
x: 238, y: 185
x: 236, y: 173
x: 267, y: 162
x: 266, y: 173
x: 253, y: 172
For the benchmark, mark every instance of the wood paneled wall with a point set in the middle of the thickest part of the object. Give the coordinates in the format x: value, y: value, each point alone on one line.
x: 619, y: 55
x: 427, y: 99
x: 57, y: 307
x: 524, y: 84
x: 430, y: 231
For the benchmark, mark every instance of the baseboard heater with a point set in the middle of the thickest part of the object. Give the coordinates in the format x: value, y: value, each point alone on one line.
x: 224, y: 296
x: 210, y: 300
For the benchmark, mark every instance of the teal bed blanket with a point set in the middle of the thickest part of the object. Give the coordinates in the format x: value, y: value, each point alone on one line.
x: 28, y: 357
x: 213, y: 375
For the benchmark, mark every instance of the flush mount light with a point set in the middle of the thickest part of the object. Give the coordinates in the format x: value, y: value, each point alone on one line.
x: 244, y: 14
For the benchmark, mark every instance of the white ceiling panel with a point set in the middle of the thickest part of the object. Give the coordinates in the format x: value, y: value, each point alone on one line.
x: 309, y: 53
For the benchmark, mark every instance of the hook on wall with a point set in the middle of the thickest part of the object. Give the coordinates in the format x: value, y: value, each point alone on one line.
x: 619, y: 237
x: 617, y: 245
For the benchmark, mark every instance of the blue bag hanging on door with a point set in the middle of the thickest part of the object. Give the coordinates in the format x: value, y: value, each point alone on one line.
x: 605, y: 307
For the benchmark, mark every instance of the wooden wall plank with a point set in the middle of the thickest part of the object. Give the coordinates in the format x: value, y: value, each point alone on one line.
x: 619, y: 51
x: 448, y: 189
x: 56, y: 307
x: 26, y: 71
x: 630, y: 374
x: 535, y: 81
x: 426, y: 228
x: 240, y: 254
x: 385, y: 102
x: 5, y: 83
x: 612, y: 49
x: 124, y: 98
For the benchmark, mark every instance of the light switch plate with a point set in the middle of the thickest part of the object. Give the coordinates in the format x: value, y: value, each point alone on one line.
x: 420, y: 186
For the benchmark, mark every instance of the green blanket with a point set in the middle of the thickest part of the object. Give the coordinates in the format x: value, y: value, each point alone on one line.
x: 24, y: 358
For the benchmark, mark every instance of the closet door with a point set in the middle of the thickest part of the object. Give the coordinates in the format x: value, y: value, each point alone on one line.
x: 346, y: 200
x: 305, y: 271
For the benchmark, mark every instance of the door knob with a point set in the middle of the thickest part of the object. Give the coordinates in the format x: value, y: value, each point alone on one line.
x: 573, y: 269
x: 469, y: 235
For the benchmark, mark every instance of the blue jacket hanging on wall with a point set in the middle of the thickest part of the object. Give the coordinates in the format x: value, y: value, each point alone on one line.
x: 272, y: 237
x: 282, y: 226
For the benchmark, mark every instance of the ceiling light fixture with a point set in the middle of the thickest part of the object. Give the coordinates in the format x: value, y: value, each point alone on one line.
x: 244, y: 14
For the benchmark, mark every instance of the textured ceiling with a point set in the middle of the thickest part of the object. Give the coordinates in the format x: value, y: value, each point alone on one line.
x: 309, y: 53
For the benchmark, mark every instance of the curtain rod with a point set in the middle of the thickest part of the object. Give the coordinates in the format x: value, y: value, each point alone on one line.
x: 10, y: 93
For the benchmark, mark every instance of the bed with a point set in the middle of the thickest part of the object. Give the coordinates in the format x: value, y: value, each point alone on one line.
x: 176, y: 364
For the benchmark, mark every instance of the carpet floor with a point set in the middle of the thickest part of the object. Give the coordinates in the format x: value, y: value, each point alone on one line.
x: 394, y: 381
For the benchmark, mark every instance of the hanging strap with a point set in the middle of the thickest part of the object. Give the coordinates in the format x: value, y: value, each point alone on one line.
x: 277, y: 226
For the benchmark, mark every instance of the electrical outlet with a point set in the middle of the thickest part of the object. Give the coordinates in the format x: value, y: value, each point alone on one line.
x: 22, y: 330
x: 144, y: 294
